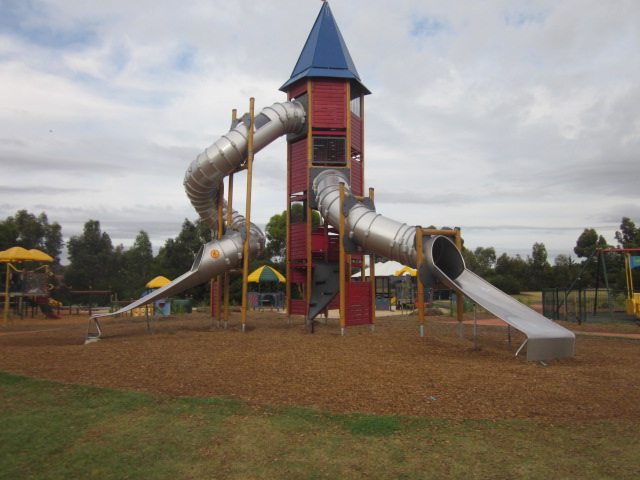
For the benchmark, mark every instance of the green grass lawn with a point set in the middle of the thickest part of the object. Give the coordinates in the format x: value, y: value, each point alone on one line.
x: 51, y: 430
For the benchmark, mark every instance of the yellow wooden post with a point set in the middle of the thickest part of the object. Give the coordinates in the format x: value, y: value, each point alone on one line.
x: 343, y: 286
x: 218, y: 281
x: 307, y: 289
x: 245, y: 270
x: 6, y: 296
x: 309, y: 227
x: 372, y: 278
x: 419, y: 259
x: 227, y: 275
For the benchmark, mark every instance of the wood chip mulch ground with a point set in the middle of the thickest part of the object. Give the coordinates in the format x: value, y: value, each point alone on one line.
x: 392, y: 371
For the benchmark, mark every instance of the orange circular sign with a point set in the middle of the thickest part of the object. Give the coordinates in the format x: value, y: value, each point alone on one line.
x: 215, y: 253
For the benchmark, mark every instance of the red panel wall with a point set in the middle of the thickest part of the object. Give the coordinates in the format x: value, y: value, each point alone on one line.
x: 298, y: 273
x: 298, y: 88
x: 329, y: 104
x: 358, y: 304
x: 298, y: 247
x: 298, y: 307
x: 298, y: 181
x: 356, y: 178
x: 356, y: 132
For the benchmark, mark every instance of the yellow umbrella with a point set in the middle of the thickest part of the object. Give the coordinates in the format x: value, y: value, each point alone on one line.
x: 158, y: 282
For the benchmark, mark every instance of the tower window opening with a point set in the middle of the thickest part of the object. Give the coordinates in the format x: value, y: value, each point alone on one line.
x: 356, y: 106
x: 329, y: 151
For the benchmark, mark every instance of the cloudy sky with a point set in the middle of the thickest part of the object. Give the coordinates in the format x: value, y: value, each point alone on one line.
x: 516, y: 120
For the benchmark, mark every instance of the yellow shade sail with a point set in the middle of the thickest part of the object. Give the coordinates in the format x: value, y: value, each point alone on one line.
x: 406, y: 270
x: 158, y: 282
x: 19, y: 254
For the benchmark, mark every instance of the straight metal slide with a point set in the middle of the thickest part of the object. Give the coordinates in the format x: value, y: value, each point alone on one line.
x: 545, y: 339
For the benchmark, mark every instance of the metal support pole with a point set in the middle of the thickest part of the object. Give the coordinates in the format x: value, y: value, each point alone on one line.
x: 245, y: 259
x: 419, y: 260
x: 522, y: 346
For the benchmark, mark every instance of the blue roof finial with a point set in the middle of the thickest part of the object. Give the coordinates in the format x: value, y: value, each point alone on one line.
x: 325, y: 54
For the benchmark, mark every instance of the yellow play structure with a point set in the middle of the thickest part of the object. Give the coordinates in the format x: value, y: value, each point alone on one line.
x: 633, y: 299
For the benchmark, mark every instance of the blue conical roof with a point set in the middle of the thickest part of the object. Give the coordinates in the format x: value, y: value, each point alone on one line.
x: 325, y: 54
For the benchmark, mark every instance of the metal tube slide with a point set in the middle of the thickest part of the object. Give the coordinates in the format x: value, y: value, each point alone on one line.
x: 545, y: 339
x: 202, y: 181
x: 443, y: 262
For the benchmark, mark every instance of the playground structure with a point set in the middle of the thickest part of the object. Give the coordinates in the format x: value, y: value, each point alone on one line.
x: 597, y: 304
x: 28, y: 288
x: 323, y: 120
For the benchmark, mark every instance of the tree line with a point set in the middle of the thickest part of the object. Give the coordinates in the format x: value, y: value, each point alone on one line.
x: 95, y: 263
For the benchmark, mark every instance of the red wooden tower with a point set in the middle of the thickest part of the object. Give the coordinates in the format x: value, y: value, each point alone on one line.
x: 326, y: 81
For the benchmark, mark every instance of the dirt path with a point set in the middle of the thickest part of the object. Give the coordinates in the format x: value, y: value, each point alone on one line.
x: 391, y: 371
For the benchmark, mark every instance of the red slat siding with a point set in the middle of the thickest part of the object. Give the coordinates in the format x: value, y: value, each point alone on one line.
x: 298, y: 307
x: 299, y: 275
x: 335, y: 303
x: 356, y: 178
x: 356, y: 132
x: 329, y: 105
x: 214, y: 297
x: 298, y: 88
x: 298, y: 239
x: 358, y: 304
x: 298, y: 167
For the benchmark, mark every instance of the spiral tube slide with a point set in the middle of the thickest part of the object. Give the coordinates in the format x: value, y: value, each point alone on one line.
x: 202, y: 181
x: 443, y: 262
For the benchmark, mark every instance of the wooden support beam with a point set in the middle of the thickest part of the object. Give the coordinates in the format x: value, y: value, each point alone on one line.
x: 245, y: 257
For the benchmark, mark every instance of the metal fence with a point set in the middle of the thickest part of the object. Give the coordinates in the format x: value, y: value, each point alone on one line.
x: 586, y: 305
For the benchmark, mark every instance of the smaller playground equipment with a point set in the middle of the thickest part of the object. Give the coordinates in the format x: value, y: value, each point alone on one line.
x: 260, y: 299
x: 20, y: 283
x: 604, y: 302
x: 633, y: 299
x: 161, y: 306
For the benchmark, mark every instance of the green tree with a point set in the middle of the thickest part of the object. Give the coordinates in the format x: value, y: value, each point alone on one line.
x: 485, y: 261
x: 541, y: 274
x: 588, y: 242
x: 90, y: 256
x: 565, y: 270
x: 629, y: 235
x: 26, y: 230
x: 131, y: 269
x: 177, y: 255
x: 276, y: 230
x: 511, y: 274
x: 138, y: 259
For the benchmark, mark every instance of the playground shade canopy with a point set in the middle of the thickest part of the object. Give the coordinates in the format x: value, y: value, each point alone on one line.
x: 19, y: 254
x: 266, y: 274
x: 406, y: 271
x: 158, y: 282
